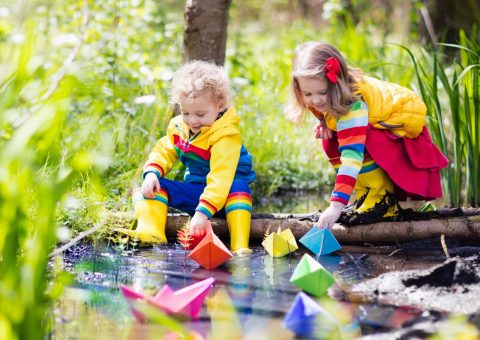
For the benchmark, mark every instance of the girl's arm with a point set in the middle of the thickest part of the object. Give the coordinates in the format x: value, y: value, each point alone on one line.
x: 351, y: 134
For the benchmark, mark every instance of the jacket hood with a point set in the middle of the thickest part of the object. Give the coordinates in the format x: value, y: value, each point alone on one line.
x: 224, y: 126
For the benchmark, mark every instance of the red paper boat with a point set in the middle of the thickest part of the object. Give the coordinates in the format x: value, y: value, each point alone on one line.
x: 210, y: 252
x: 187, y: 301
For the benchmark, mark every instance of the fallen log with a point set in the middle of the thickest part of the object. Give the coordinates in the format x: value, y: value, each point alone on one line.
x: 465, y: 227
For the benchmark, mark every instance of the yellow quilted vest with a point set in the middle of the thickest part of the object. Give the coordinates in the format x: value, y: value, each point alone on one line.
x: 390, y: 106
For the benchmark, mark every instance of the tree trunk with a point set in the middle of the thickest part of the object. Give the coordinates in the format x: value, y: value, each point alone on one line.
x: 311, y: 10
x: 205, y: 36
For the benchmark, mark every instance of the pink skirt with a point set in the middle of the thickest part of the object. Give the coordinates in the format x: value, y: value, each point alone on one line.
x: 413, y: 164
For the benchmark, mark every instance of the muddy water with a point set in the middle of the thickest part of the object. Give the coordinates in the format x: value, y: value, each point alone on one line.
x: 257, y: 285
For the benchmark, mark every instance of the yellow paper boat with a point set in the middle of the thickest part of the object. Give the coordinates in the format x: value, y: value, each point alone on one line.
x: 280, y: 243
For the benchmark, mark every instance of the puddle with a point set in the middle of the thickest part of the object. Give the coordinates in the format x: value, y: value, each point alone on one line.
x: 295, y: 202
x: 257, y: 285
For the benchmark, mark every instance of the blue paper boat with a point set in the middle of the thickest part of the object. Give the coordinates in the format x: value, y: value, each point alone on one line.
x: 320, y: 241
x: 301, y: 318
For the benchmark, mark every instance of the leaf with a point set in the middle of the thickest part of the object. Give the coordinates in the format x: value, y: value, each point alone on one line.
x: 184, y: 237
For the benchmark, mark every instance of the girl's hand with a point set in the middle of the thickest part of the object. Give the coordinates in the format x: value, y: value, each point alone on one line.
x: 198, y: 224
x: 150, y: 185
x: 330, y: 215
x: 322, y: 131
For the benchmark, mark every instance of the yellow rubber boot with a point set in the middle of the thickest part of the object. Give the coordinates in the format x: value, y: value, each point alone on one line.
x: 360, y: 195
x: 377, y: 185
x: 239, y: 227
x: 151, y: 216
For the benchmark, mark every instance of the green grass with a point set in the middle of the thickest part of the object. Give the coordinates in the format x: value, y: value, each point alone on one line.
x: 451, y: 93
x: 35, y: 174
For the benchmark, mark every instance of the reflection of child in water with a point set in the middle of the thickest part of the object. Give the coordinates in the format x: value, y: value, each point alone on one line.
x: 223, y: 316
x: 206, y: 139
x: 240, y: 286
x: 373, y: 133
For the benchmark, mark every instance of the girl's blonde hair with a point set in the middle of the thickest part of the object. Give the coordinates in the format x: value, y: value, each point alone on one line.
x: 309, y: 61
x: 199, y: 77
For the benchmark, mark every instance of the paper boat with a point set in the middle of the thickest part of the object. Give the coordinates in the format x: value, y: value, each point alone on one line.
x: 280, y: 243
x: 320, y: 241
x: 210, y: 252
x: 301, y: 318
x: 311, y: 276
x: 187, y: 301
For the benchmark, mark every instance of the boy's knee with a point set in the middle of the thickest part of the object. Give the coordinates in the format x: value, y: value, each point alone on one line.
x: 239, y: 185
x: 169, y: 185
x: 165, y: 182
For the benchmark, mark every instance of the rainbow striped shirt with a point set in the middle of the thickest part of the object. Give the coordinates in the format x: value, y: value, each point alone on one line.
x: 351, y: 134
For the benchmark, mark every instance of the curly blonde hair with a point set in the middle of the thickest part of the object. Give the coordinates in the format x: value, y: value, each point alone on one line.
x: 199, y: 77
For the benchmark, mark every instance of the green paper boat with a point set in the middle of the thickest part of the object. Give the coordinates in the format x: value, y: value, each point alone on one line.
x: 311, y: 276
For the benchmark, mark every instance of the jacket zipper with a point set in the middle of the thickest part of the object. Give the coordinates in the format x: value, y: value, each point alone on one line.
x: 189, y: 140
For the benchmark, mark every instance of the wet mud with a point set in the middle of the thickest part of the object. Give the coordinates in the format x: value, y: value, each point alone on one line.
x: 380, y: 212
x: 449, y: 287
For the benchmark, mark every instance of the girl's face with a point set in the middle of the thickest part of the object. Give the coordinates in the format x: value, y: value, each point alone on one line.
x: 199, y: 111
x: 314, y: 92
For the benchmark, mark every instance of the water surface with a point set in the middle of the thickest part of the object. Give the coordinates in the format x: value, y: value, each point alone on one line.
x: 257, y: 286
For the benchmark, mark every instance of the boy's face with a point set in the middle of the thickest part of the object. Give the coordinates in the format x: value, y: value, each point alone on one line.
x: 314, y: 92
x: 199, y: 111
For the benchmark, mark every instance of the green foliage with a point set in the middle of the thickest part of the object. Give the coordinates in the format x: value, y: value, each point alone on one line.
x: 127, y: 83
x: 35, y: 173
x: 453, y: 102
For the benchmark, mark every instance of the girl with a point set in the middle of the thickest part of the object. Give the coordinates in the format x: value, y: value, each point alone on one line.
x: 218, y: 168
x: 373, y: 133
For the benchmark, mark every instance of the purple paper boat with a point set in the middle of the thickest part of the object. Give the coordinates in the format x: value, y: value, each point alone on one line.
x: 301, y: 317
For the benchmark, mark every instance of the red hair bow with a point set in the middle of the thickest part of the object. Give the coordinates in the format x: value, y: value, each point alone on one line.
x: 332, y: 69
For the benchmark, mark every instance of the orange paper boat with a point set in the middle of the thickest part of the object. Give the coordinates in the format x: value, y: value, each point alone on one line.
x: 210, y: 252
x: 187, y: 301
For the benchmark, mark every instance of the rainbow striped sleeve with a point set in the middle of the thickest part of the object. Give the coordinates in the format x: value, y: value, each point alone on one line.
x: 206, y: 208
x: 155, y: 168
x: 351, y: 134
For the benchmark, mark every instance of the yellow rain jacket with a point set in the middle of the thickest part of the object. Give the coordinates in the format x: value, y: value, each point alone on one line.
x: 213, y: 156
x: 390, y: 106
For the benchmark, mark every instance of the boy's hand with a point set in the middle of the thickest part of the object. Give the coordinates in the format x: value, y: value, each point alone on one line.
x: 198, y: 224
x: 150, y: 185
x: 322, y: 131
x: 330, y: 215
